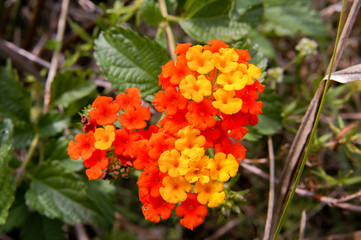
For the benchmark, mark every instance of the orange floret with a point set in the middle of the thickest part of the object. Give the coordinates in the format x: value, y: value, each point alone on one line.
x: 84, y: 146
x: 171, y: 101
x: 175, y: 189
x: 215, y: 45
x: 135, y: 117
x: 132, y: 98
x: 96, y: 164
x: 104, y: 110
x: 195, y: 89
x: 210, y: 192
x: 192, y: 211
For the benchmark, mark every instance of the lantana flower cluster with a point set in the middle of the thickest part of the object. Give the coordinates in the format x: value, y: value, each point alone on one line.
x: 209, y: 95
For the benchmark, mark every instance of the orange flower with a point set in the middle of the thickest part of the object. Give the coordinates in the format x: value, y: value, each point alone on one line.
x: 171, y: 101
x: 84, y: 146
x: 215, y: 46
x: 96, y: 164
x: 104, y: 110
x: 195, y: 89
x: 210, y: 192
x: 192, y: 211
x: 132, y: 98
x: 135, y: 117
x: 201, y: 115
x: 157, y: 208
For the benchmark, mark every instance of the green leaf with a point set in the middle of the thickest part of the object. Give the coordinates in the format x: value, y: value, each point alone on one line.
x: 212, y: 21
x: 151, y: 13
x: 17, y: 213
x: 15, y: 100
x: 249, y: 11
x: 7, y: 190
x: 270, y: 120
x: 75, y: 94
x: 57, y: 193
x: 103, y: 194
x: 207, y: 29
x: 192, y: 6
x: 290, y: 18
x: 38, y: 227
x: 80, y: 31
x: 128, y: 60
x: 70, y: 86
x: 51, y: 124
x: 23, y: 134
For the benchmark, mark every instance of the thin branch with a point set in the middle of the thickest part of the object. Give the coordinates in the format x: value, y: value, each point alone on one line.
x: 22, y: 52
x: 226, y: 228
x: 271, y: 198
x: 332, y: 202
x: 168, y: 29
x: 80, y: 232
x: 303, y: 225
x: 55, y: 58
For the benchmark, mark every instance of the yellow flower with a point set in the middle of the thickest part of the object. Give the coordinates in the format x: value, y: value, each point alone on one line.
x: 198, y: 170
x: 195, y: 89
x: 254, y: 72
x: 104, y: 137
x: 226, y: 102
x: 199, y: 61
x: 175, y: 189
x: 211, y: 193
x: 226, y: 60
x: 222, y: 167
x: 169, y: 161
x: 232, y: 81
x: 189, y: 138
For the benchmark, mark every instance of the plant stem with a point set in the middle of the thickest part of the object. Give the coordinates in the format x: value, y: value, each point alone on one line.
x: 168, y: 29
x: 308, y: 147
x: 29, y: 155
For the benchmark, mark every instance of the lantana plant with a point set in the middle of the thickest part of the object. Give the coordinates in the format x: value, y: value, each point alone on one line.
x: 209, y: 96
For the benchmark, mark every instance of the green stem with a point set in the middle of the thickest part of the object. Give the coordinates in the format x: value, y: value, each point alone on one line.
x: 28, y: 157
x: 168, y: 29
x: 308, y: 147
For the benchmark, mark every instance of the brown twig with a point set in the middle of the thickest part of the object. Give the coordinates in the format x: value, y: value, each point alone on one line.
x: 271, y: 195
x: 55, y: 58
x: 332, y: 202
x: 303, y: 225
x: 223, y: 230
x: 22, y: 52
x: 33, y: 23
x: 80, y: 232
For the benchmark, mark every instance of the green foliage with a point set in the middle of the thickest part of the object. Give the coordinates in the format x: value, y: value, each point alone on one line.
x: 56, y: 193
x: 290, y: 18
x: 14, y: 98
x: 127, y: 60
x: 7, y: 189
x: 39, y: 227
x: 151, y: 13
x: 51, y: 124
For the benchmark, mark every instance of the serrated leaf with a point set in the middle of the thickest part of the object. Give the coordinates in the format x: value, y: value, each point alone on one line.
x: 222, y: 28
x: 103, y: 194
x: 56, y: 193
x: 290, y: 18
x: 23, y: 134
x: 14, y: 98
x: 38, y: 227
x: 17, y: 212
x: 151, y: 13
x: 51, y: 124
x: 128, y: 60
x: 7, y: 190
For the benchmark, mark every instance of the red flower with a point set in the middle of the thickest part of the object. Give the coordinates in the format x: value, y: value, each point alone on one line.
x: 156, y: 208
